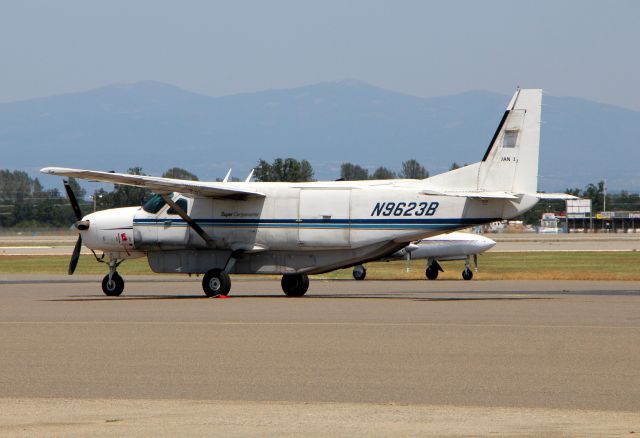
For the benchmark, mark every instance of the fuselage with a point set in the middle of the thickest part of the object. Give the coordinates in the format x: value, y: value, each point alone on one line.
x: 295, y: 227
x: 290, y: 217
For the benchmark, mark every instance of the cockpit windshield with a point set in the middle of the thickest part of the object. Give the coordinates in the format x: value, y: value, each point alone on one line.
x: 155, y: 204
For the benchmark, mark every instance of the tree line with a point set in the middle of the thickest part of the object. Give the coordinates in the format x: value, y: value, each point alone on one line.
x: 25, y: 203
x: 292, y: 170
x: 410, y: 169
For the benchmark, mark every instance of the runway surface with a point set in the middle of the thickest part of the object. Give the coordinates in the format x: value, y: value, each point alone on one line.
x: 372, y: 358
x: 508, y: 242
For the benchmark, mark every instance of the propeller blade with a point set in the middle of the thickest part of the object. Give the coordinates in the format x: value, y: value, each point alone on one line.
x: 408, y: 261
x: 475, y: 261
x: 75, y: 256
x: 72, y: 200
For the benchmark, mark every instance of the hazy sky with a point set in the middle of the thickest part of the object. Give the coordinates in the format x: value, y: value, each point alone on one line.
x: 587, y: 49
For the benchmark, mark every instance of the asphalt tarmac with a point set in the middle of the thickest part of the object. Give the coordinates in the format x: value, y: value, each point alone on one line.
x: 359, y: 358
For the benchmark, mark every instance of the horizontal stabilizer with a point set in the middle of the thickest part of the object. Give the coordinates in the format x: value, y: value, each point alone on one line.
x: 497, y: 195
x: 471, y: 194
x: 158, y: 184
x: 556, y: 196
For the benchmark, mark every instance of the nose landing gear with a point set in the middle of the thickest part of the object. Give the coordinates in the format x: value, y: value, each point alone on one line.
x: 467, y: 274
x: 359, y: 272
x: 112, y: 287
x: 113, y: 283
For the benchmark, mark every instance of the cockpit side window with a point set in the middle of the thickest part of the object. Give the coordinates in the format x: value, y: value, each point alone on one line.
x: 182, y: 203
x: 154, y: 204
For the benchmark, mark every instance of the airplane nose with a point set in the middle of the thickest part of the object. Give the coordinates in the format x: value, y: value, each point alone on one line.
x: 108, y: 230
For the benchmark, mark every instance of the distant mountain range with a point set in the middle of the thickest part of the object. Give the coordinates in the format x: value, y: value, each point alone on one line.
x: 158, y: 126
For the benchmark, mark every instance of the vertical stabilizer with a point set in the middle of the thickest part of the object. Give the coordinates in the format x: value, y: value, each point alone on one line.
x: 510, y: 163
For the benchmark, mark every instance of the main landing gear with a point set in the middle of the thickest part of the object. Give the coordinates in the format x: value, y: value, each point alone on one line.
x: 295, y: 285
x: 113, y: 283
x: 433, y: 268
x: 216, y: 282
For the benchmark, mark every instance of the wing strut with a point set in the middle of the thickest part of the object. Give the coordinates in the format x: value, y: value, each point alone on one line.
x: 183, y: 214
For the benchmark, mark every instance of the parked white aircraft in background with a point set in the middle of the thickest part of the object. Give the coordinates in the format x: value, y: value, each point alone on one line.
x: 296, y: 229
x: 443, y: 247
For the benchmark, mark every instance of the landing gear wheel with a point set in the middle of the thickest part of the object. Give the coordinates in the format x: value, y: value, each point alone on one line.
x: 467, y: 274
x: 114, y: 287
x: 295, y: 285
x: 431, y: 272
x: 359, y: 273
x: 216, y: 282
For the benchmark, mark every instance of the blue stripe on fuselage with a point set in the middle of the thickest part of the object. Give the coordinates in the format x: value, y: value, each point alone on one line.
x: 372, y: 223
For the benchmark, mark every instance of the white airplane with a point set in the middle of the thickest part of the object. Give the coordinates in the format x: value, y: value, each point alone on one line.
x: 297, y: 229
x: 444, y: 247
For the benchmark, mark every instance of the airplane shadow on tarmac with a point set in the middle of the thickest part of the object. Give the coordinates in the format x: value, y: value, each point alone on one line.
x: 409, y: 296
x: 382, y: 296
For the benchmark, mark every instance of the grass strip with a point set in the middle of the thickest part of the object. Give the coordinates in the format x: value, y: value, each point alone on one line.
x: 550, y: 265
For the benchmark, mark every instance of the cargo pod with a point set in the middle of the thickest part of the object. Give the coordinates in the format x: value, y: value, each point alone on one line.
x: 324, y: 218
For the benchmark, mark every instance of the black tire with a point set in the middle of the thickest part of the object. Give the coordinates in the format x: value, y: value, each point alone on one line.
x: 295, y: 285
x: 431, y: 272
x: 360, y: 275
x: 216, y: 282
x: 467, y: 274
x: 114, y: 287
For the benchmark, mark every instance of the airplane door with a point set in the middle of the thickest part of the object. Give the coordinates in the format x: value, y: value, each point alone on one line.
x: 324, y: 218
x: 157, y: 225
x: 172, y: 230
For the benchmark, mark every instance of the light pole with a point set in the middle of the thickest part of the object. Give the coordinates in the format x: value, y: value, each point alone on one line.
x: 95, y: 197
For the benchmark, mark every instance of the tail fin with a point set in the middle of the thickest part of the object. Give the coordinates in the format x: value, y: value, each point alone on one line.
x: 510, y: 163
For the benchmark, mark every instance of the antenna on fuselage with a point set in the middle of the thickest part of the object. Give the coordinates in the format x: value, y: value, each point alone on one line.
x: 250, y: 176
x: 226, y: 177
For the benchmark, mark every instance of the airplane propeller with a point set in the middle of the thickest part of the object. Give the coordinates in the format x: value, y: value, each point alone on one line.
x: 79, y: 225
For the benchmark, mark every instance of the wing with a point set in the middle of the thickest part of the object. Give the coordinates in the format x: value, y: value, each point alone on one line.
x: 158, y: 184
